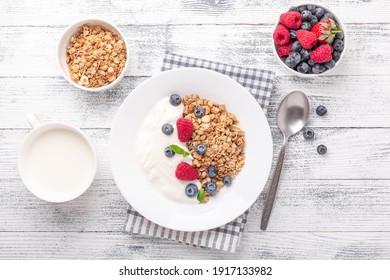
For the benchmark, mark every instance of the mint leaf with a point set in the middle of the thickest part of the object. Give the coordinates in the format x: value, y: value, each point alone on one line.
x: 179, y: 150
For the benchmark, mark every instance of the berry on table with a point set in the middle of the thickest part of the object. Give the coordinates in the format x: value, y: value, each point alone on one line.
x: 296, y: 46
x: 284, y: 50
x: 293, y: 59
x: 338, y: 45
x: 319, y: 13
x: 191, y: 190
x: 167, y: 129
x: 186, y: 172
x: 169, y: 152
x: 303, y: 67
x: 318, y: 68
x: 212, y: 171
x: 227, y: 180
x: 199, y: 112
x: 175, y: 99
x: 201, y: 149
x: 308, y: 133
x: 281, y: 35
x: 322, y: 149
x: 322, y: 54
x: 330, y: 64
x: 321, y: 110
x: 306, y: 38
x: 291, y: 19
x: 306, y: 15
x: 336, y: 55
x: 306, y: 25
x: 210, y: 188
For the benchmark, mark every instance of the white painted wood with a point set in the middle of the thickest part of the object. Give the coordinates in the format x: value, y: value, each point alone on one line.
x: 31, y: 51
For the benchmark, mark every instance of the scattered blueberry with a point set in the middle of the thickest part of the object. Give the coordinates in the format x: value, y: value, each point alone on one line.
x: 212, y: 171
x: 340, y: 35
x: 327, y: 16
x: 319, y: 13
x: 311, y: 8
x: 199, y: 112
x: 167, y: 129
x: 318, y: 68
x: 293, y: 34
x: 306, y: 15
x: 227, y: 180
x: 305, y: 55
x: 310, y: 62
x: 322, y: 149
x: 302, y: 8
x: 306, y: 25
x: 330, y: 64
x: 303, y: 67
x: 338, y: 45
x: 201, y: 149
x: 308, y: 133
x: 175, y: 99
x: 210, y: 188
x: 313, y: 20
x: 191, y: 190
x: 169, y: 152
x: 321, y: 110
x: 336, y: 55
x: 296, y: 46
x: 293, y: 59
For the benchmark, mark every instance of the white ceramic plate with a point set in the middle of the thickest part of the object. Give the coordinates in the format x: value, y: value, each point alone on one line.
x: 231, y: 201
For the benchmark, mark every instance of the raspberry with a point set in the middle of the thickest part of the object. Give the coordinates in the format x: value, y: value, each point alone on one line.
x: 284, y: 50
x: 291, y: 19
x: 306, y: 38
x: 184, y: 129
x: 322, y: 54
x: 281, y: 35
x: 186, y: 172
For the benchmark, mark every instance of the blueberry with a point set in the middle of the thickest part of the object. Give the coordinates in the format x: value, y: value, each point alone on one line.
x: 322, y: 149
x: 302, y: 8
x: 294, y: 9
x: 212, y: 171
x: 296, y: 46
x: 340, y: 35
x: 319, y: 13
x: 167, y: 129
x: 310, y: 62
x: 308, y: 133
x: 199, y: 112
x: 305, y: 55
x: 318, y: 68
x: 306, y: 15
x: 336, y: 55
x: 321, y: 110
x: 306, y: 25
x: 169, y: 152
x: 330, y: 64
x: 313, y: 21
x: 311, y: 8
x: 191, y: 190
x: 338, y: 45
x: 327, y: 16
x: 201, y: 149
x: 293, y: 59
x: 227, y: 180
x: 303, y: 67
x: 175, y: 99
x: 293, y: 34
x: 210, y: 188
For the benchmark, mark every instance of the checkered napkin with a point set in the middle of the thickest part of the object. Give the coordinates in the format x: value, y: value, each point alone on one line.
x: 259, y: 83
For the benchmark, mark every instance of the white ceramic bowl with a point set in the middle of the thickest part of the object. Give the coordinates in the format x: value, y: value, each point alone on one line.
x: 64, y: 41
x: 326, y: 72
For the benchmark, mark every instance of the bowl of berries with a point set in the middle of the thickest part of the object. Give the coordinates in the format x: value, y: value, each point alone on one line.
x: 309, y: 39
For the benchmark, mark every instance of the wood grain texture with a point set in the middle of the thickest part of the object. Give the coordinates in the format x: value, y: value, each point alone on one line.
x: 249, y: 45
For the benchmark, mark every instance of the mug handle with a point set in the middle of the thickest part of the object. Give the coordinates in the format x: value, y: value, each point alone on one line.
x: 33, y: 120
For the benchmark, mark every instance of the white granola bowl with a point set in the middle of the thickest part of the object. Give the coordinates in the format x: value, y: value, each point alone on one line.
x: 326, y: 72
x: 64, y: 41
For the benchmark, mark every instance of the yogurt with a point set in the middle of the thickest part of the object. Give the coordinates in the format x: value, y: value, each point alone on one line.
x: 150, y: 145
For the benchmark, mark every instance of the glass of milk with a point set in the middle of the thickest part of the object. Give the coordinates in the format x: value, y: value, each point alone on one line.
x: 57, y: 161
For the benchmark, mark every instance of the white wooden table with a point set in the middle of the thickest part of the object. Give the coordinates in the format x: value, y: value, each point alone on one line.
x: 328, y: 207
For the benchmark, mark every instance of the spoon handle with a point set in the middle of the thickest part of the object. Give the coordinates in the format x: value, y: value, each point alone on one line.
x: 269, y: 201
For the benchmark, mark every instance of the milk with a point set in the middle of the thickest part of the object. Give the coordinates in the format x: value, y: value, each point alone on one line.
x: 59, y: 161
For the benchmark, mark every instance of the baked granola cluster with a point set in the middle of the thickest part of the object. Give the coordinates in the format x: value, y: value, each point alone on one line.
x: 224, y: 139
x: 95, y: 56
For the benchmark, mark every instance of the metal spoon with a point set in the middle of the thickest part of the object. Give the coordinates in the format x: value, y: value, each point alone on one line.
x: 291, y: 116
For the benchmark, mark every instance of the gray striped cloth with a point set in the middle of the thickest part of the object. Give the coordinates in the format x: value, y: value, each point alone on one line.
x: 259, y: 83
